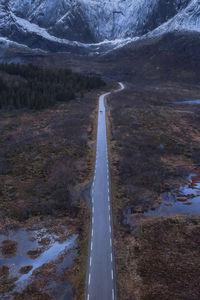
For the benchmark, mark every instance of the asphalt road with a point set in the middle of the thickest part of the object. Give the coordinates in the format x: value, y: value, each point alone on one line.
x: 101, y: 269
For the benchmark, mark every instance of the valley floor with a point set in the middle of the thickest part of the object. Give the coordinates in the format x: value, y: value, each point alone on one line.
x: 154, y: 153
x: 47, y: 160
x: 155, y: 146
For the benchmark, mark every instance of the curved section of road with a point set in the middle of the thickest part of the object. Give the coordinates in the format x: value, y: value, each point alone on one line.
x: 101, y: 274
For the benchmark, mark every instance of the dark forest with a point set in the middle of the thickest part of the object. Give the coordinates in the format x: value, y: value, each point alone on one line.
x: 39, y: 87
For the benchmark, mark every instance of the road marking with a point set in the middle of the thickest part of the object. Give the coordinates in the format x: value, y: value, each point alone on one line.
x: 98, y: 159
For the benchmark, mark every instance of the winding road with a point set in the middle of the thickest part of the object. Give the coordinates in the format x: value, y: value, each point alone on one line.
x: 101, y: 269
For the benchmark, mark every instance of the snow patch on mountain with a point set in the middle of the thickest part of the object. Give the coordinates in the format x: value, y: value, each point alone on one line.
x: 187, y: 19
x: 95, y: 25
x: 33, y: 28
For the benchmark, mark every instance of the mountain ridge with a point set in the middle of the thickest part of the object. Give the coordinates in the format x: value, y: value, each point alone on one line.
x: 91, y: 26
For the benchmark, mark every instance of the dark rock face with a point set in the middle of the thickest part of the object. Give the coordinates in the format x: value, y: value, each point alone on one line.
x: 69, y: 25
x: 164, y: 11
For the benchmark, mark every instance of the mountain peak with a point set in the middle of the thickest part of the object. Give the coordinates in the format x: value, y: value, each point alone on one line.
x: 59, y: 25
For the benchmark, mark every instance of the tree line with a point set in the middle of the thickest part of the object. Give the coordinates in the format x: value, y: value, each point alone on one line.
x: 41, y: 87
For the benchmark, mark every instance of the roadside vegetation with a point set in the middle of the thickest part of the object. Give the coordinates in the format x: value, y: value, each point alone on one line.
x: 154, y: 147
x: 44, y: 154
x: 46, y: 160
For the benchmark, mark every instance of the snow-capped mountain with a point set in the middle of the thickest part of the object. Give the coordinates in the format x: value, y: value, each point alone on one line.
x: 91, y: 25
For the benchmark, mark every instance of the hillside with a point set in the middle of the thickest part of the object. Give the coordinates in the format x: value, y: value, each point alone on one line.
x: 90, y: 26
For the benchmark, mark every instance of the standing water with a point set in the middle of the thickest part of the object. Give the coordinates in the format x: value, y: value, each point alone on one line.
x: 188, y: 102
x: 185, y: 202
x: 34, y: 249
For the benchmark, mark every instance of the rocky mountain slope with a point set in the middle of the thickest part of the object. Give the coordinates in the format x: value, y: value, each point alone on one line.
x: 85, y: 26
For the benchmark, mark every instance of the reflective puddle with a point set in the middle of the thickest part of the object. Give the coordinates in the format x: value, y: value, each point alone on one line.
x: 188, y: 102
x: 33, y: 248
x: 185, y: 202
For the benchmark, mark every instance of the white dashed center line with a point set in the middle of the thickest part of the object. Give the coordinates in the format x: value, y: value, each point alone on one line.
x: 100, y: 155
